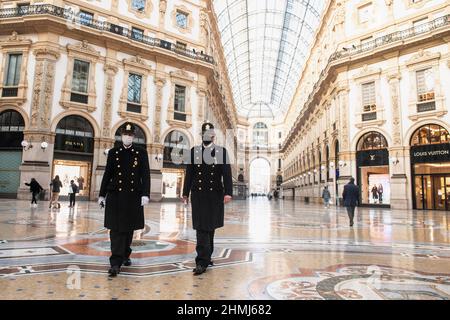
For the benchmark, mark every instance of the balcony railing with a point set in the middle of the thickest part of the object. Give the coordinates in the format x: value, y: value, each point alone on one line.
x: 73, y: 19
x: 393, y: 37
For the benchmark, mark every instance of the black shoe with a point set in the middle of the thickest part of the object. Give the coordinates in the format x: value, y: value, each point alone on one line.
x: 351, y: 224
x: 114, y: 271
x: 199, y: 270
x: 127, y: 262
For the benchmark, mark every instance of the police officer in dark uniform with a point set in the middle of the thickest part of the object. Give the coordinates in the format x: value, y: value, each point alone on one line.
x: 125, y: 189
x: 209, y: 181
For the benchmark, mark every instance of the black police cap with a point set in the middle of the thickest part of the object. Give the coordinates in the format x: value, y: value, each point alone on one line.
x: 128, y: 127
x: 207, y: 126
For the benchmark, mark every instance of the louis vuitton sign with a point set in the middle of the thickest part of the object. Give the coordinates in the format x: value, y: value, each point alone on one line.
x: 431, y: 153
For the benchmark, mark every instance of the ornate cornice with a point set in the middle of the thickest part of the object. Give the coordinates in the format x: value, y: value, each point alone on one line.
x: 181, y: 74
x: 45, y: 52
x: 423, y: 56
x: 83, y: 48
x: 14, y: 40
x: 137, y: 62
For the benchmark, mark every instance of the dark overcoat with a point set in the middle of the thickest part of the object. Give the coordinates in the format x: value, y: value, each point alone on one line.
x: 208, y: 179
x: 125, y: 181
x: 350, y: 195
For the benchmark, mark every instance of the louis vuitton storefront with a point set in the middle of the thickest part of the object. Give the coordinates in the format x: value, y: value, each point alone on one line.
x: 430, y: 166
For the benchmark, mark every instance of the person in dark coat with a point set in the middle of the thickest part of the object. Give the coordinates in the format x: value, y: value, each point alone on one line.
x: 124, y: 192
x: 351, y: 199
x: 56, y: 186
x: 35, y: 189
x: 73, y: 190
x: 209, y: 182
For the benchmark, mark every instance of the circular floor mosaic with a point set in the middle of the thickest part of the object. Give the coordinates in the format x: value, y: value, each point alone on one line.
x: 354, y: 283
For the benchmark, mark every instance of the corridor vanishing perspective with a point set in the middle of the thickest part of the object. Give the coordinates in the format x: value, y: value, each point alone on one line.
x: 263, y: 150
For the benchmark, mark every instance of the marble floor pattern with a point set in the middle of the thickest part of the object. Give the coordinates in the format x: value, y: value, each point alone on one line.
x: 267, y: 250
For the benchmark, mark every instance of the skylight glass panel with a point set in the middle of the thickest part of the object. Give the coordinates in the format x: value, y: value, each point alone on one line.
x: 265, y: 44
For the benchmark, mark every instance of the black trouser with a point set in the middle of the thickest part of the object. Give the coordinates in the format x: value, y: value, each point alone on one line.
x: 120, y: 246
x: 351, y: 213
x: 205, y: 247
x: 72, y: 199
x: 34, y: 195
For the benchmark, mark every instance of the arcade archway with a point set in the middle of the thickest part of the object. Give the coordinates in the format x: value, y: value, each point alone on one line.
x: 259, y: 176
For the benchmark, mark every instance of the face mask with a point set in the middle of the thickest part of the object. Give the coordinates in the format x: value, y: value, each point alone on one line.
x: 207, y: 139
x: 127, y: 140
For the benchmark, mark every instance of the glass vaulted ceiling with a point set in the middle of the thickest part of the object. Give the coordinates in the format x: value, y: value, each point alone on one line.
x: 266, y: 43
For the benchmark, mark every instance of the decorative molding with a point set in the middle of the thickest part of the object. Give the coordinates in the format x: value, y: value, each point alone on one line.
x: 367, y: 72
x: 43, y: 88
x: 159, y: 83
x: 81, y: 51
x: 162, y: 13
x: 110, y: 72
x: 181, y: 75
x: 15, y: 44
x: 135, y: 65
x: 422, y: 56
x: 394, y: 88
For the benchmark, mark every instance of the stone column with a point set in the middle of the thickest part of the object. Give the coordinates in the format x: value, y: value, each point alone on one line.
x: 36, y: 162
x: 398, y: 169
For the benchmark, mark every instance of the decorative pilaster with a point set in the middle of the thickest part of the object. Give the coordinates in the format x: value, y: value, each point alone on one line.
x: 110, y: 70
x: 201, y: 97
x: 162, y: 13
x: 159, y: 82
x: 344, y: 123
x: 394, y: 88
x: 44, y: 79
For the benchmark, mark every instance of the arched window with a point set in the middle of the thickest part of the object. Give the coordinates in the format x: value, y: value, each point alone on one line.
x: 11, y: 129
x: 372, y: 141
x: 139, y: 138
x: 11, y: 121
x: 430, y: 134
x: 260, y: 134
x: 176, y: 149
x: 74, y: 134
x: 75, y: 126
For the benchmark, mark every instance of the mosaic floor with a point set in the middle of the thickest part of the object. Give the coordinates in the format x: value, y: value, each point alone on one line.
x: 267, y: 250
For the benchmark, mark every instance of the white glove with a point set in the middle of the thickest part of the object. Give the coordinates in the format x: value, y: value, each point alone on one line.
x: 144, y: 201
x: 101, y: 201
